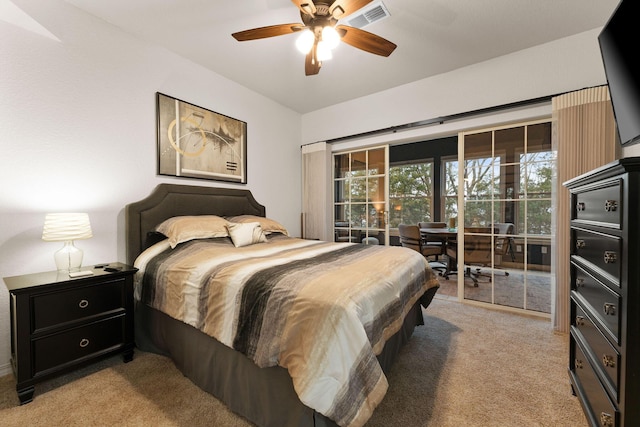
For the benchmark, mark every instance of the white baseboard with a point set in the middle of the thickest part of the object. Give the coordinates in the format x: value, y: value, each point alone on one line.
x: 5, y: 369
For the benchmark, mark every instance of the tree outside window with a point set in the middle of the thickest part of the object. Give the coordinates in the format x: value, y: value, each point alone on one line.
x: 450, y: 189
x: 410, y: 193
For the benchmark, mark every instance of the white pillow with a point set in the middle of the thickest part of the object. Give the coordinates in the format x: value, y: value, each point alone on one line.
x: 268, y: 225
x: 180, y: 229
x: 246, y: 234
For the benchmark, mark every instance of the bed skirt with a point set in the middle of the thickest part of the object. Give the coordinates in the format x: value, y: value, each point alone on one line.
x: 264, y: 396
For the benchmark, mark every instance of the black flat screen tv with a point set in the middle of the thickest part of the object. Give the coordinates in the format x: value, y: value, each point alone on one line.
x: 619, y: 47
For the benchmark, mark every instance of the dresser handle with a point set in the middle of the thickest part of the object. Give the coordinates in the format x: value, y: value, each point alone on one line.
x: 580, y: 244
x: 579, y: 364
x: 84, y: 342
x: 579, y: 283
x: 610, y: 257
x: 83, y: 303
x: 610, y: 205
x: 581, y: 206
x: 609, y: 309
x: 606, y: 420
x: 580, y: 321
x: 608, y: 361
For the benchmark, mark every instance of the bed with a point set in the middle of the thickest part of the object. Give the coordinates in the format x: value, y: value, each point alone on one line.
x: 266, y: 376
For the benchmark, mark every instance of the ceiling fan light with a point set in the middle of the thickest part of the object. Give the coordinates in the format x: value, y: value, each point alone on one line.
x: 323, y: 53
x: 305, y: 40
x: 330, y: 37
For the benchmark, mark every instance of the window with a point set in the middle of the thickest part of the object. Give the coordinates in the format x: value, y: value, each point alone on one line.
x: 507, y: 179
x: 450, y: 189
x: 410, y: 193
x: 360, y: 206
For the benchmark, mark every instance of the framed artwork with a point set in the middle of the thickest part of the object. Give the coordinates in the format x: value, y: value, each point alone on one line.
x: 194, y: 142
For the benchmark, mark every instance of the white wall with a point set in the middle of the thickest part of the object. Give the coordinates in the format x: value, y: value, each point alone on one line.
x: 561, y: 66
x: 77, y: 132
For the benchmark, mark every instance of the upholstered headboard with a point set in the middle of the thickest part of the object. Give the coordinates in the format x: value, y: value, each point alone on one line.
x: 169, y: 200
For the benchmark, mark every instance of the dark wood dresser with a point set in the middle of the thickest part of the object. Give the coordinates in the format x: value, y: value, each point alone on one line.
x: 59, y: 323
x: 604, y: 362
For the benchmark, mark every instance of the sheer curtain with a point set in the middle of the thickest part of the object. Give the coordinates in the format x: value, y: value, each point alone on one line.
x: 316, y: 191
x: 584, y: 136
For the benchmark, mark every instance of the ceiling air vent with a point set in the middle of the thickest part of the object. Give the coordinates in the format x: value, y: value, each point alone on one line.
x: 368, y: 15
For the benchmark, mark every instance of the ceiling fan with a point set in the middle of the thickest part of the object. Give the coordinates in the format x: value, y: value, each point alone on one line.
x: 319, y: 19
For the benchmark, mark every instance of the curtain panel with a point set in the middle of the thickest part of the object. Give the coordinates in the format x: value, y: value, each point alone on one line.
x: 584, y: 137
x: 316, y: 192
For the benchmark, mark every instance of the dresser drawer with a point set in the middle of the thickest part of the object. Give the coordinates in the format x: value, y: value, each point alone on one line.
x: 596, y: 401
x: 78, y: 343
x: 600, y: 204
x: 607, y: 357
x: 601, y: 250
x: 55, y: 308
x: 601, y: 301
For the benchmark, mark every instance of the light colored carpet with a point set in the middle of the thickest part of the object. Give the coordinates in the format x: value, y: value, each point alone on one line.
x: 468, y: 366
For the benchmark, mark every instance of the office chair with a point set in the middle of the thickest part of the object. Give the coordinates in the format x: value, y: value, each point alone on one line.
x: 477, y: 253
x: 410, y: 237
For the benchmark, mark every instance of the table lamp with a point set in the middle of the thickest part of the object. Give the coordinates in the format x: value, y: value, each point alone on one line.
x: 67, y: 227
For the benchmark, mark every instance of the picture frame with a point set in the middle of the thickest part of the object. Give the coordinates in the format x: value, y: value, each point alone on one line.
x: 194, y: 142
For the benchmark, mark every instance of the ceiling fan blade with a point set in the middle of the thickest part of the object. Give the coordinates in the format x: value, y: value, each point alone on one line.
x: 305, y: 6
x: 311, y: 63
x: 264, y: 32
x: 366, y: 41
x: 341, y: 8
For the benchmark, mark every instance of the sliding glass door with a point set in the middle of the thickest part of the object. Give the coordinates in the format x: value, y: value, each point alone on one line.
x: 505, y: 198
x: 360, y: 196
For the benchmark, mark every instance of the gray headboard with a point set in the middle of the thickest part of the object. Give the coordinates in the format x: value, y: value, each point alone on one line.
x: 169, y: 200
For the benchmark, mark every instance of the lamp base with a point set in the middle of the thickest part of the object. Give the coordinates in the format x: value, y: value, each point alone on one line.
x: 69, y: 258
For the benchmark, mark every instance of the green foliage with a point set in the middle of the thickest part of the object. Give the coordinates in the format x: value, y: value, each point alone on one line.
x: 410, y: 193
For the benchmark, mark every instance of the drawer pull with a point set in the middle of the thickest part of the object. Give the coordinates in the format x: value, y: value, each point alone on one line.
x: 610, y: 257
x: 83, y: 303
x: 610, y: 205
x: 581, y: 206
x: 609, y: 309
x: 84, y: 342
x: 608, y: 361
x: 579, y: 283
x: 579, y: 364
x: 580, y: 244
x: 580, y: 321
x: 606, y: 420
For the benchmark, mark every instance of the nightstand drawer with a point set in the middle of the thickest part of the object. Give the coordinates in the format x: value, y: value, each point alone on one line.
x: 603, y: 303
x: 602, y: 251
x: 607, y: 357
x: 78, y: 343
x: 52, y: 309
x: 600, y: 205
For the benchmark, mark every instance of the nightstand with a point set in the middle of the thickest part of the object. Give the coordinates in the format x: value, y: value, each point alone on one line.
x: 59, y: 323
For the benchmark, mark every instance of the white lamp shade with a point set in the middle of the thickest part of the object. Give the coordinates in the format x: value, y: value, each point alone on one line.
x: 60, y: 227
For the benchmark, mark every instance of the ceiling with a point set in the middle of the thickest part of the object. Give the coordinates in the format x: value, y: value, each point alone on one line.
x: 433, y: 37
